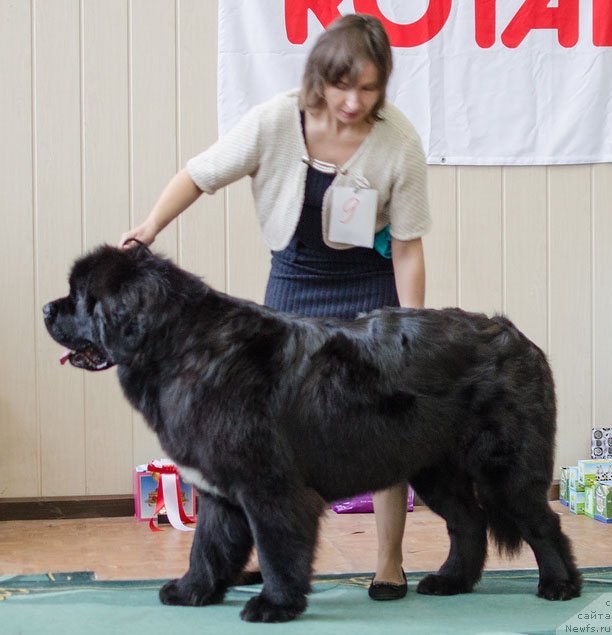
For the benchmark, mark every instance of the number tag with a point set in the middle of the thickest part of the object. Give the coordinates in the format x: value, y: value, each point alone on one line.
x: 353, y: 216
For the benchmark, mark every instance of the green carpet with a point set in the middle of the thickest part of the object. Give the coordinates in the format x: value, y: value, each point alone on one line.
x: 504, y: 602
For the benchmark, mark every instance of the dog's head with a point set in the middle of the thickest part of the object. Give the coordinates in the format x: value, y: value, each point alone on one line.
x: 107, y: 314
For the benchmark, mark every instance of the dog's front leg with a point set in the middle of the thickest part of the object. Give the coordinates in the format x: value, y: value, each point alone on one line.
x: 220, y: 550
x: 285, y: 532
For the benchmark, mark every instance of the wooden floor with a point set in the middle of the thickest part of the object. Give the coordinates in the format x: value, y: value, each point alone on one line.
x: 122, y: 548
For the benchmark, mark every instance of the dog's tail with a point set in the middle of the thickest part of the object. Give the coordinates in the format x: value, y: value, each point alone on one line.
x: 504, y: 531
x: 499, y: 489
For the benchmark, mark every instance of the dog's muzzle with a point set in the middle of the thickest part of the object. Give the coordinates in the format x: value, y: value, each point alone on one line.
x: 86, y: 357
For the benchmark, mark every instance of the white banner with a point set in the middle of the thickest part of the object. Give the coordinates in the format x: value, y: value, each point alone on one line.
x: 485, y: 82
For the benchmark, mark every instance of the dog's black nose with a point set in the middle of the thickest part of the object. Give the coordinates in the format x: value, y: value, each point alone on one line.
x: 49, y: 311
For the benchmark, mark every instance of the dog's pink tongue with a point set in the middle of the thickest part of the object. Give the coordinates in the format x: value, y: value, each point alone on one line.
x: 65, y: 357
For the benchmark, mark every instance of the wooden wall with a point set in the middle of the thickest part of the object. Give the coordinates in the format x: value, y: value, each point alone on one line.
x: 102, y: 101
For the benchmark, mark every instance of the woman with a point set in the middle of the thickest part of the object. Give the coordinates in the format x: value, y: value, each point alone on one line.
x: 311, y: 154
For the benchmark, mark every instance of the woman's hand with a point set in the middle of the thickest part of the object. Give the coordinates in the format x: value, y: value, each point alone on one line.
x: 144, y: 233
x: 177, y: 196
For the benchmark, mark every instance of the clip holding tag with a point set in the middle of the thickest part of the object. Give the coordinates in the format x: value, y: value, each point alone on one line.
x: 321, y: 166
x: 361, y: 183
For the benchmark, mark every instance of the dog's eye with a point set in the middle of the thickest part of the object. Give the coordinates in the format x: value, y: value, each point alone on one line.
x: 91, y: 302
x: 69, y: 304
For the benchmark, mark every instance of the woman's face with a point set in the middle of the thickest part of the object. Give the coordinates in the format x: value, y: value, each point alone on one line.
x: 352, y: 103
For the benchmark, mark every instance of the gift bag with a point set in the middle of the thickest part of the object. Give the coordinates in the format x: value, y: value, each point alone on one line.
x: 160, y: 492
x: 364, y: 504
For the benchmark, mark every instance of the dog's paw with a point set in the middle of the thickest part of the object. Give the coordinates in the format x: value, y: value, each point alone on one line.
x: 180, y: 593
x: 559, y: 589
x: 442, y: 585
x: 259, y: 609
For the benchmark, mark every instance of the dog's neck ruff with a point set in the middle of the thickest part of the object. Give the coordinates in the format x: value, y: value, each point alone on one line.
x: 195, y: 477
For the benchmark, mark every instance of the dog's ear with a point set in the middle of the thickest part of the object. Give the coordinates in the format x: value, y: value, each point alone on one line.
x: 121, y: 329
x: 126, y: 315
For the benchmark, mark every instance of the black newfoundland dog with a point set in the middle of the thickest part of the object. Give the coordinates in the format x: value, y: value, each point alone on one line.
x: 271, y: 415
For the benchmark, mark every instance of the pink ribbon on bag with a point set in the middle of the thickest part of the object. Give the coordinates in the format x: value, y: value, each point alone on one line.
x: 169, y: 496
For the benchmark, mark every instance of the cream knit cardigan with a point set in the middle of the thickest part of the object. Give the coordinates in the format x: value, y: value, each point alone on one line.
x: 268, y: 145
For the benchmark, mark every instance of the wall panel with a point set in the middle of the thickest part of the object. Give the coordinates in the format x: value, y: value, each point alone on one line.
x: 525, y: 250
x: 19, y: 450
x: 480, y: 239
x: 441, y: 256
x: 153, y: 113
x: 153, y: 82
x: 58, y: 199
x: 602, y: 295
x: 202, y: 244
x: 248, y: 256
x: 106, y: 214
x: 570, y: 306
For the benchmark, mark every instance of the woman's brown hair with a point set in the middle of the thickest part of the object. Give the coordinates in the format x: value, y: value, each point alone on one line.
x: 339, y: 54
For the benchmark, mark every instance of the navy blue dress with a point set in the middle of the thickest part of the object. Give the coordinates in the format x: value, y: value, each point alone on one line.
x: 311, y: 279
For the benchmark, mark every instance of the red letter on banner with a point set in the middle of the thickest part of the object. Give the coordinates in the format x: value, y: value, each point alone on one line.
x: 602, y: 22
x: 415, y: 34
x: 296, y: 16
x: 536, y: 14
x: 485, y: 22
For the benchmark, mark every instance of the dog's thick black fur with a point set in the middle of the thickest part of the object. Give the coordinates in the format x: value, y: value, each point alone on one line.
x: 272, y: 414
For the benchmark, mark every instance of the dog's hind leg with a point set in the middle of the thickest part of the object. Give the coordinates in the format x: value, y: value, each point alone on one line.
x: 221, y: 547
x: 528, y: 510
x: 452, y: 497
x: 285, y: 532
x: 559, y: 577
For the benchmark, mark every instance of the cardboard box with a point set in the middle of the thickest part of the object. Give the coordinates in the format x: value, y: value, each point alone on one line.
x: 600, y: 470
x: 145, y: 495
x: 564, y: 486
x: 603, y: 501
x: 601, y: 443
x: 573, y: 482
x: 589, y: 501
x: 576, y: 501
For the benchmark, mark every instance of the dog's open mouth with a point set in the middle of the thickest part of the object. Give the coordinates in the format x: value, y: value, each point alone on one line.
x: 87, y: 358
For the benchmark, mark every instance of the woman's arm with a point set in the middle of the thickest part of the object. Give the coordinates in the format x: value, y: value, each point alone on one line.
x: 409, y: 269
x: 176, y: 197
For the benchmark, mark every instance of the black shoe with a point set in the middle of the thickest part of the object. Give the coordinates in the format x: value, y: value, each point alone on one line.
x: 388, y: 590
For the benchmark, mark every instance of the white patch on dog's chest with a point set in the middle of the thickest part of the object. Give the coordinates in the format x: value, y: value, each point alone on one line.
x: 195, y: 477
